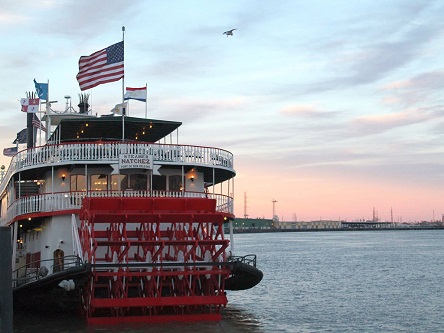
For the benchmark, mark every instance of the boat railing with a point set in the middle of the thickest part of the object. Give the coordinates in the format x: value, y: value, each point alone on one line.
x: 249, y: 259
x: 110, y: 152
x: 37, y: 270
x: 60, y: 201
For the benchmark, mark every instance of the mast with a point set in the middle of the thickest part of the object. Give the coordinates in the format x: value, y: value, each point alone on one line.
x: 123, y: 87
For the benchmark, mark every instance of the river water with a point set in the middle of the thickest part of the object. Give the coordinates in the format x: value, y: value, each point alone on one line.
x: 352, y: 281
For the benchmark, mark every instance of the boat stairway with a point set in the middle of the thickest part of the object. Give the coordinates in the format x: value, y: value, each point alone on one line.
x: 153, y: 259
x: 34, y: 285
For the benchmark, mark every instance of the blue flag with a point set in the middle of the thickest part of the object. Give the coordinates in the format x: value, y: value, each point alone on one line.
x: 41, y: 89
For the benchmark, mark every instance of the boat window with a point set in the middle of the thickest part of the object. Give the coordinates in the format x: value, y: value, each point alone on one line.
x: 99, y: 182
x: 159, y: 183
x: 115, y: 179
x: 78, y: 183
x: 175, y: 183
x: 138, y: 182
x: 134, y: 182
x: 124, y: 182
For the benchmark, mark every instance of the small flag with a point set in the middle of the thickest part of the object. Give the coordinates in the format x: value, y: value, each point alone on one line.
x: 30, y: 105
x: 22, y: 137
x: 10, y: 151
x: 119, y: 108
x: 135, y: 93
x: 37, y: 123
x: 41, y: 89
x: 103, y: 66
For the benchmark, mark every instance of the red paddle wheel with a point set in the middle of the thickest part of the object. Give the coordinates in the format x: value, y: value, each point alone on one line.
x: 153, y: 259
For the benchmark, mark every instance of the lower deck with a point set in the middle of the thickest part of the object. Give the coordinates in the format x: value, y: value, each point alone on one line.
x: 149, y: 258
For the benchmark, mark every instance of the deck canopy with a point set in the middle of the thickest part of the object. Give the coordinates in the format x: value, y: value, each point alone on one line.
x: 111, y: 129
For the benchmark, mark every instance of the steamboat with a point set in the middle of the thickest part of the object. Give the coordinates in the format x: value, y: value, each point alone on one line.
x: 113, y: 217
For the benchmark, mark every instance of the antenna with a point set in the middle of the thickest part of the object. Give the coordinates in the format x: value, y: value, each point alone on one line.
x: 68, y: 99
x: 274, y: 210
x: 375, y: 215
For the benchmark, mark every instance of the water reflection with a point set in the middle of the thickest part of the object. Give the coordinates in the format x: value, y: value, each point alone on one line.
x: 235, y: 319
x: 317, y: 282
x: 238, y: 319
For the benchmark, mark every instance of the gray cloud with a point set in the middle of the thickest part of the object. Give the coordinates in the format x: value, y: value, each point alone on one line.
x: 86, y: 19
x: 416, y: 90
x: 359, y: 55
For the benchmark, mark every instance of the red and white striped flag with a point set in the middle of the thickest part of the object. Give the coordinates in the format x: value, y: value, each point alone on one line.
x: 103, y: 66
x: 135, y: 93
x: 37, y: 123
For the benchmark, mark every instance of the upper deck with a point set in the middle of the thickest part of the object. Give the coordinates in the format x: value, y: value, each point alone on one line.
x: 86, y: 139
x: 81, y: 128
x: 38, y: 159
x: 90, y: 147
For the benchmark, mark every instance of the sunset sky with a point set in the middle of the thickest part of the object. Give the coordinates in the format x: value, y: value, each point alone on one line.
x: 331, y: 108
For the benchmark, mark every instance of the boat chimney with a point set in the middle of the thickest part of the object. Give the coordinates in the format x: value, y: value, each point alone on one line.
x: 31, y: 135
x: 83, y: 104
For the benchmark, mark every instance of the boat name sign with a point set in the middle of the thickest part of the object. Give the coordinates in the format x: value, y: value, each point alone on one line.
x: 135, y: 161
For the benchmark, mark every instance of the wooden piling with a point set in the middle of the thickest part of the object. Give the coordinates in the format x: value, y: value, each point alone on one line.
x: 6, y: 306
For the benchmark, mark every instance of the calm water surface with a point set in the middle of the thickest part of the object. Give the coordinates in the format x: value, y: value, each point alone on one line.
x: 366, y: 281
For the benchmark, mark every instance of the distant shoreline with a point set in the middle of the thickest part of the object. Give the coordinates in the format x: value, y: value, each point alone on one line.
x: 259, y: 230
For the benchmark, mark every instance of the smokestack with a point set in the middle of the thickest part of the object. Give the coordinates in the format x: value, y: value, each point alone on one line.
x: 30, y: 140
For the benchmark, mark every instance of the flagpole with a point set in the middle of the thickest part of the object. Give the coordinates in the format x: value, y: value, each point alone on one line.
x: 146, y: 101
x: 40, y: 128
x: 91, y: 95
x: 123, y: 87
x: 34, y: 131
x: 40, y: 117
x: 48, y: 126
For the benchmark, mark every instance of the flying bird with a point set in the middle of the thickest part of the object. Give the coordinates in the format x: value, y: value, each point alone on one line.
x: 229, y: 32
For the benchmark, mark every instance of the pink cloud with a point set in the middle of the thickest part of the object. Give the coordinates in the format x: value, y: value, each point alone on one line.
x: 378, y: 123
x: 303, y: 110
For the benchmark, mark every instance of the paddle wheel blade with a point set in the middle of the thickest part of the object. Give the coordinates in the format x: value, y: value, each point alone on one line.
x: 153, y: 259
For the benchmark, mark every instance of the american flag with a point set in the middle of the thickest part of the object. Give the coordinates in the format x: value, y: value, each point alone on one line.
x: 37, y: 123
x: 10, y: 151
x: 103, y: 66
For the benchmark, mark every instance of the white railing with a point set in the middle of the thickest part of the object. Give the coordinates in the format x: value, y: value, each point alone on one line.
x: 52, y: 202
x: 109, y: 152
